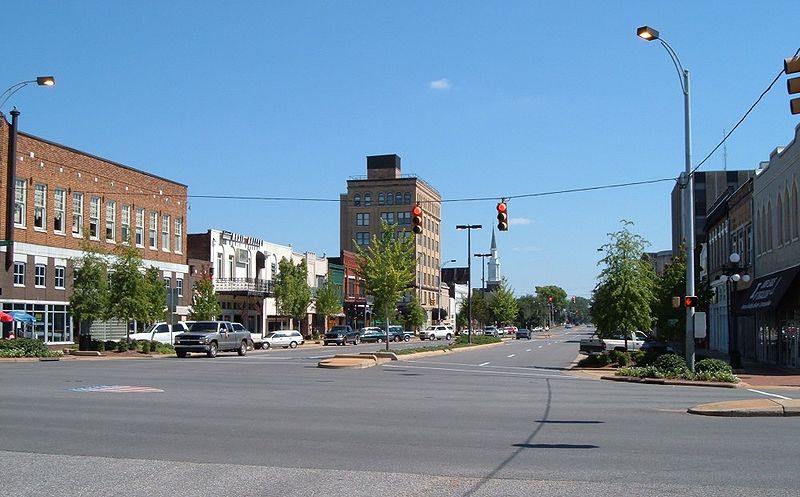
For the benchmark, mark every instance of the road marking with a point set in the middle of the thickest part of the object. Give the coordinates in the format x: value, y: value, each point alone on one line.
x: 527, y: 350
x: 540, y: 346
x: 512, y: 355
x: 116, y: 389
x: 484, y: 364
x: 483, y: 371
x: 770, y: 394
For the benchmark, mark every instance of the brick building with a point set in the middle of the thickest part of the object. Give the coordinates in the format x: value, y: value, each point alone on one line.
x: 63, y: 198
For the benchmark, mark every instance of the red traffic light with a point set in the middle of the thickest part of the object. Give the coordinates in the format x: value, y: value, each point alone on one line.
x: 416, y: 219
x: 690, y: 301
x: 502, y: 216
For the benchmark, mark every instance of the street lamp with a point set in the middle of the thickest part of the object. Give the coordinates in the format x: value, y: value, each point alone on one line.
x: 469, y: 228
x: 483, y: 272
x: 439, y: 295
x: 733, y: 274
x: 12, y: 161
x: 686, y: 182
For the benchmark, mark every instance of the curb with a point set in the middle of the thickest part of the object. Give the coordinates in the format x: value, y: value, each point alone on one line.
x: 665, y: 381
x: 749, y: 408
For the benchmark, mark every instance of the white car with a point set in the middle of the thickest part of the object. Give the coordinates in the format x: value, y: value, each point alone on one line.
x: 162, y: 332
x: 437, y: 332
x: 284, y: 338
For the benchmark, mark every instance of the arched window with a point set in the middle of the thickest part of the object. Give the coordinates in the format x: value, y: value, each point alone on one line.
x: 770, y: 232
x: 367, y: 199
x: 389, y: 199
x: 398, y: 198
x: 795, y: 211
x: 357, y: 199
x: 381, y: 199
x: 407, y: 198
x: 785, y: 218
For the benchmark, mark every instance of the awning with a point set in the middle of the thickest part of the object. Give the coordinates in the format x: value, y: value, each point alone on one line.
x: 766, y: 292
x: 22, y: 316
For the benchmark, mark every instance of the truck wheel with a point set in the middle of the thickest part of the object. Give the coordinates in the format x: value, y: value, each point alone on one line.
x: 406, y: 338
x: 181, y: 353
x: 212, y: 350
x: 266, y: 345
x: 380, y: 340
x: 448, y: 336
x: 357, y: 341
x: 292, y: 345
x: 433, y: 337
x: 242, y: 350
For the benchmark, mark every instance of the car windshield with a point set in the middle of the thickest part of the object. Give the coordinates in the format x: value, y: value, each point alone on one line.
x: 338, y: 329
x: 204, y: 326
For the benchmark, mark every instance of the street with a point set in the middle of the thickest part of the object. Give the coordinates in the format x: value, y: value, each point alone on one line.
x: 502, y: 420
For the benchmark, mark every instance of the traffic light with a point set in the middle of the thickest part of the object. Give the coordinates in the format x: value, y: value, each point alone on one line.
x: 573, y: 299
x: 549, y: 300
x: 791, y: 66
x: 690, y: 301
x: 502, y: 216
x: 416, y: 219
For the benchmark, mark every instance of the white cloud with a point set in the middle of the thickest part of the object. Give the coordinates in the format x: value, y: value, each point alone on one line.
x: 518, y: 220
x: 440, y: 84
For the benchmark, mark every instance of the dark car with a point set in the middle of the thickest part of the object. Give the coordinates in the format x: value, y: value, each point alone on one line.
x: 372, y: 334
x: 652, y: 344
x: 398, y: 334
x: 524, y: 333
x: 342, y: 335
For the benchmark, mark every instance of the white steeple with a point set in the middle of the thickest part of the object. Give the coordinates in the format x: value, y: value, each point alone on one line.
x: 493, y: 278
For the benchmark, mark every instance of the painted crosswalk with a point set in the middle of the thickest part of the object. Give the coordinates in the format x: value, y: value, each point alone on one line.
x: 116, y: 389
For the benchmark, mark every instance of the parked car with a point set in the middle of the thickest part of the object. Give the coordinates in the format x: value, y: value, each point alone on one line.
x: 510, y: 330
x: 373, y: 334
x: 397, y: 333
x: 524, y: 333
x: 491, y: 331
x: 437, y: 332
x: 162, y: 332
x: 283, y: 338
x: 341, y: 335
x: 211, y: 337
x: 652, y: 344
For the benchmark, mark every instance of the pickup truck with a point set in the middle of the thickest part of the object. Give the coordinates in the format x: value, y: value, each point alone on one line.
x: 596, y: 345
x: 162, y: 332
x: 210, y: 337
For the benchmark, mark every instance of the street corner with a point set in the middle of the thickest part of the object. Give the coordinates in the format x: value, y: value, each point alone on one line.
x: 749, y: 408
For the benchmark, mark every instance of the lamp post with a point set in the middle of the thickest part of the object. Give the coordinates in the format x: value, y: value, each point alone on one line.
x: 483, y: 272
x: 733, y: 274
x: 686, y: 182
x: 271, y: 289
x: 12, y: 161
x: 469, y: 228
x: 439, y: 295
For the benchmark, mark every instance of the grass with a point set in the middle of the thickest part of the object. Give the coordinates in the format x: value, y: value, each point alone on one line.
x: 460, y: 342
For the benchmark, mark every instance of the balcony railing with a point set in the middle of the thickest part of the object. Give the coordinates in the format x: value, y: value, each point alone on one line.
x: 254, y: 285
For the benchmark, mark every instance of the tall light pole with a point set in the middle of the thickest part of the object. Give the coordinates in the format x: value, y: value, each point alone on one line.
x: 439, y: 294
x: 733, y: 274
x: 483, y: 272
x: 469, y: 228
x: 12, y: 161
x: 686, y: 182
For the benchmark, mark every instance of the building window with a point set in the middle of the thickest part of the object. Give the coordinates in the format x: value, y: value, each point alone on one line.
x: 40, y: 207
x: 362, y: 219
x: 388, y: 217
x: 165, y: 233
x: 367, y: 199
x: 77, y: 214
x: 398, y: 198
x: 20, y: 200
x: 407, y: 198
x: 167, y: 284
x: 179, y: 286
x: 178, y: 235
x: 140, y: 227
x: 151, y: 232
x: 125, y: 224
x: 19, y: 274
x: 362, y: 238
x: 219, y: 267
x: 59, y: 207
x: 59, y: 277
x: 94, y: 217
x: 40, y: 271
x: 381, y: 198
x: 111, y: 220
x: 356, y: 200
x: 389, y: 199
x: 404, y: 218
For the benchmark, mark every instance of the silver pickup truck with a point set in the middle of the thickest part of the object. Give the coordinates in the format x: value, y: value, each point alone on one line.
x: 210, y: 337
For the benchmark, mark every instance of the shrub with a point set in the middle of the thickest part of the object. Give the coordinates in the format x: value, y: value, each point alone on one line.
x: 712, y: 366
x: 162, y: 348
x: 101, y: 346
x: 146, y: 347
x: 122, y: 346
x: 620, y: 357
x: 133, y: 345
x: 671, y: 365
x: 595, y: 361
x: 637, y: 356
x: 111, y: 345
x: 25, y: 347
x: 463, y: 339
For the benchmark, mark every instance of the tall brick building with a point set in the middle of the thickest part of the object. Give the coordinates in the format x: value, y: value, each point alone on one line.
x: 62, y: 197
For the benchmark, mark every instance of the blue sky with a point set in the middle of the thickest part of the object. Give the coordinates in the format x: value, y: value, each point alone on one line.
x: 480, y: 99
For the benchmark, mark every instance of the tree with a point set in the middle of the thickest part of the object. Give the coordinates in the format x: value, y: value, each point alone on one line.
x: 205, y: 305
x: 292, y: 293
x: 155, y: 295
x: 527, y: 312
x: 387, y: 267
x: 670, y: 321
x: 480, y: 311
x: 329, y: 301
x: 624, y: 292
x: 502, y: 305
x: 414, y: 315
x: 89, y: 300
x: 127, y: 300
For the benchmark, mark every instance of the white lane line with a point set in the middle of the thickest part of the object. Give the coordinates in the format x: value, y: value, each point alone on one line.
x: 540, y: 346
x: 512, y: 355
x: 484, y: 364
x: 770, y: 394
x: 527, y: 350
x: 483, y: 371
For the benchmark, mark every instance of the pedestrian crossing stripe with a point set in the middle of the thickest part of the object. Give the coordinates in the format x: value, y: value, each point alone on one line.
x: 116, y: 389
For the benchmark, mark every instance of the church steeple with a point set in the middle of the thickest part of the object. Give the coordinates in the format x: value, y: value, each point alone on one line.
x: 494, y: 265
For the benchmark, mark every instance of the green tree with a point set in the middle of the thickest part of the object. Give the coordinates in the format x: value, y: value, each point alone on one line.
x: 329, y: 301
x: 480, y: 311
x: 89, y: 299
x: 127, y: 300
x: 670, y: 321
x: 155, y: 295
x: 387, y: 267
x: 502, y: 305
x: 292, y: 293
x: 205, y: 305
x: 414, y: 315
x: 624, y: 292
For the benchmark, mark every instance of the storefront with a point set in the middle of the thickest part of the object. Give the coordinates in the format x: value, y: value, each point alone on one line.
x: 52, y: 322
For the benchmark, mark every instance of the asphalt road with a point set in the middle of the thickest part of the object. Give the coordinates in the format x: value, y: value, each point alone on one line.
x: 503, y: 420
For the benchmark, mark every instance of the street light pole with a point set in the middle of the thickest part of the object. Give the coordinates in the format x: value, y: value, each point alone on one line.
x: 686, y: 181
x: 732, y: 275
x: 469, y: 228
x: 483, y: 272
x: 439, y: 293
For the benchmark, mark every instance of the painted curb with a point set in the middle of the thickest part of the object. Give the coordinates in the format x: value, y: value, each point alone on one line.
x: 749, y: 408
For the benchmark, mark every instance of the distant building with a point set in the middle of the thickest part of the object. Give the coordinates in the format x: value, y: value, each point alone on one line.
x: 659, y: 259
x: 493, y: 277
